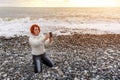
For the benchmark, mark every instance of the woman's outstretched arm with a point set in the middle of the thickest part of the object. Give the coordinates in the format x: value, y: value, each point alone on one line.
x: 48, y: 40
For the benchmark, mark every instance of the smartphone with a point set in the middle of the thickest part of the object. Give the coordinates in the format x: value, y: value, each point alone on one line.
x: 51, y: 34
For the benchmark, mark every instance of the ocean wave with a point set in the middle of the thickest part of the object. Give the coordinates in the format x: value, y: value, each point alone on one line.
x: 21, y: 26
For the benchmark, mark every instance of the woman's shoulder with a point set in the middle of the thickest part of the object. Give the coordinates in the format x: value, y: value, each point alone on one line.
x: 42, y: 35
x: 36, y: 37
x: 30, y: 36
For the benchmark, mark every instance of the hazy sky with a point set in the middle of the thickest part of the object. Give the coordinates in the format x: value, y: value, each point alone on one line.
x: 59, y: 3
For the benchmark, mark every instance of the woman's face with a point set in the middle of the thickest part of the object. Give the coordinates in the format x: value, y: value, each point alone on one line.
x: 36, y: 31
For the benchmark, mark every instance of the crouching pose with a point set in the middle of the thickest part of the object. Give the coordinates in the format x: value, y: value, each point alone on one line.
x: 38, y: 43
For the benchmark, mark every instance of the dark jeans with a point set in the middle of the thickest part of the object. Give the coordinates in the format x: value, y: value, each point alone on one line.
x: 39, y: 59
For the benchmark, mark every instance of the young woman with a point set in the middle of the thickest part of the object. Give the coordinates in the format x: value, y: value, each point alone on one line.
x: 38, y: 43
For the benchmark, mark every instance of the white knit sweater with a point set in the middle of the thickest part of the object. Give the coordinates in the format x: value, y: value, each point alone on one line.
x: 38, y: 44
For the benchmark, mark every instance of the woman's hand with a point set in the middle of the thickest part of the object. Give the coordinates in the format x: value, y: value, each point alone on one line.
x: 46, y: 37
x: 49, y: 36
x: 51, y: 39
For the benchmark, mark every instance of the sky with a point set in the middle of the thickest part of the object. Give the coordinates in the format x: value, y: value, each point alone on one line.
x: 59, y: 3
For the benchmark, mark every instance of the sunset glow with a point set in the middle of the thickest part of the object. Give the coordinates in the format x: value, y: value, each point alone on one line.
x: 94, y: 3
x: 60, y: 3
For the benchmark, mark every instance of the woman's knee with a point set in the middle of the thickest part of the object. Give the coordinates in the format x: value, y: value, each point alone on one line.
x: 47, y: 61
x: 37, y: 64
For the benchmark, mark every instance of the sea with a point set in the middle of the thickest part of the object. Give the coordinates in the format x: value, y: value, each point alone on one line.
x: 59, y: 20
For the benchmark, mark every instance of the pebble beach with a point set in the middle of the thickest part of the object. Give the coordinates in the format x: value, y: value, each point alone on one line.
x: 75, y: 57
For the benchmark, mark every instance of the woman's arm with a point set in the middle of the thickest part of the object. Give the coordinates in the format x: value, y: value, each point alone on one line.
x: 48, y: 39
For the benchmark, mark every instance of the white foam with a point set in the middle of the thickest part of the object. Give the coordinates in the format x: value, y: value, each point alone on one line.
x: 22, y: 26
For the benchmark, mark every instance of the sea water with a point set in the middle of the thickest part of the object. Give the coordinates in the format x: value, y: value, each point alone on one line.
x: 17, y: 20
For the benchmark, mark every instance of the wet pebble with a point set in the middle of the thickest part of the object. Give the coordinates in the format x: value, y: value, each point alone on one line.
x: 76, y: 57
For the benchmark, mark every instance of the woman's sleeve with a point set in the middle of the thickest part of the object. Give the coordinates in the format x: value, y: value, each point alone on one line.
x: 47, y: 43
x: 29, y: 40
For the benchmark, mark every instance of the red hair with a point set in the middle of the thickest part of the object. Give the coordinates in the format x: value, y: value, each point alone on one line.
x: 32, y: 28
